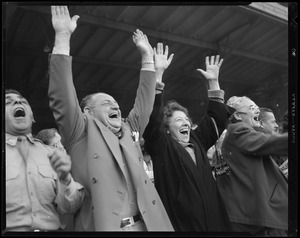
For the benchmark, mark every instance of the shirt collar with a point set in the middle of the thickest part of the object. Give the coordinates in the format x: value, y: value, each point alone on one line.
x: 12, y: 140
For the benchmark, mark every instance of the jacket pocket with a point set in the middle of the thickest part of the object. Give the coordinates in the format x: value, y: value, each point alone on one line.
x: 273, y: 192
x: 47, y: 183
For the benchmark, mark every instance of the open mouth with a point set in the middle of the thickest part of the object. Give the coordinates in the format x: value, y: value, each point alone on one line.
x: 19, y: 112
x: 113, y: 115
x: 184, y: 132
x: 256, y: 118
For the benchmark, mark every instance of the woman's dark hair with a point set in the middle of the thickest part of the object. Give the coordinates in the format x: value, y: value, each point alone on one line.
x: 169, y: 109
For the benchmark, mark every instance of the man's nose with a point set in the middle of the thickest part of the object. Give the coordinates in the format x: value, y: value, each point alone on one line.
x: 18, y: 101
x: 115, y: 106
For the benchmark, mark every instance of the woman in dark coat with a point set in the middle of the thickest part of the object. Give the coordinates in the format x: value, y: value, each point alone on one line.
x: 182, y: 172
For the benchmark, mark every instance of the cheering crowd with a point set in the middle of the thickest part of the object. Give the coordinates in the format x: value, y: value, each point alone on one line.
x: 150, y: 171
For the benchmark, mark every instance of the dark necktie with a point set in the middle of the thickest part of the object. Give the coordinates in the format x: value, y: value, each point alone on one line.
x: 23, y: 146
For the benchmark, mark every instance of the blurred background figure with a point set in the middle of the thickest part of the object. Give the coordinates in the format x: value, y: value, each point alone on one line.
x: 148, y: 166
x: 50, y: 137
x: 270, y: 126
x: 256, y: 192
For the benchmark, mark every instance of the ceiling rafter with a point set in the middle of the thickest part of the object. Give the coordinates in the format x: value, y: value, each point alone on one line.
x: 170, y: 37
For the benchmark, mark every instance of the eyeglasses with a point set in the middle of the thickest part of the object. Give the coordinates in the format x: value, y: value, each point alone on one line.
x: 251, y: 108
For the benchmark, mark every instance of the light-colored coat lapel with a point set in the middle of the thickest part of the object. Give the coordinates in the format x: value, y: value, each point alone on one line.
x: 112, y: 142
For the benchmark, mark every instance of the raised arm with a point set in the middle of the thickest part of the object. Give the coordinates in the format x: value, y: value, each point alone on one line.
x: 217, y: 110
x: 63, y: 26
x: 145, y: 49
x: 62, y: 95
x: 161, y: 63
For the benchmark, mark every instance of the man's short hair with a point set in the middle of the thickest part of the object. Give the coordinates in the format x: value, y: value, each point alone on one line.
x: 87, y: 100
x: 7, y: 91
x: 263, y: 113
x: 47, y: 135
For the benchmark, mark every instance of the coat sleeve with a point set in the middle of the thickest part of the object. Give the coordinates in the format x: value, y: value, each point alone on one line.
x: 250, y: 141
x: 69, y: 198
x: 138, y: 117
x: 212, y: 125
x: 154, y: 130
x: 63, y: 99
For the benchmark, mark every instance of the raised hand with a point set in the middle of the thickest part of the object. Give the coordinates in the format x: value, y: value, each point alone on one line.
x: 143, y: 45
x: 212, y: 67
x: 212, y: 71
x: 161, y: 60
x: 61, y: 20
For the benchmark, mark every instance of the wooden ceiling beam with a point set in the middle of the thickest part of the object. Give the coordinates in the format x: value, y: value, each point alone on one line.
x: 101, y: 22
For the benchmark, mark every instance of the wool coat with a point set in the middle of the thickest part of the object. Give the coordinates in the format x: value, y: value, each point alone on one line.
x: 188, y: 191
x: 256, y: 191
x: 97, y: 153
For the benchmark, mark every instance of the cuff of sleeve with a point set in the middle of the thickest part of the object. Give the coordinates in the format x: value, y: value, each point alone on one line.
x: 70, y: 188
x: 61, y: 50
x: 146, y: 69
x: 217, y: 95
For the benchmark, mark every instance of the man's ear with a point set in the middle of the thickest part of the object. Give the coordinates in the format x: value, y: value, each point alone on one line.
x: 87, y: 111
x: 237, y: 116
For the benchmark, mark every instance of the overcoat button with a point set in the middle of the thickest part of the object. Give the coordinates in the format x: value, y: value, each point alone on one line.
x: 153, y: 202
x: 145, y: 181
x: 95, y: 156
x: 94, y: 180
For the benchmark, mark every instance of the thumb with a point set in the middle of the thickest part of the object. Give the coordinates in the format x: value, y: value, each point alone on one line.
x: 202, y: 72
x: 170, y: 58
x: 75, y: 18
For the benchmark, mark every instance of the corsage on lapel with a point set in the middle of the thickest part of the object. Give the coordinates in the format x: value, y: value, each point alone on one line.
x: 135, y: 136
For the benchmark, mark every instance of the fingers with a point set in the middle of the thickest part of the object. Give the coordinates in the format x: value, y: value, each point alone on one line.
x: 170, y: 58
x: 60, y: 160
x: 207, y: 61
x: 220, y: 63
x: 166, y: 50
x: 65, y: 10
x: 53, y: 11
x: 60, y: 11
x: 214, y: 60
x: 160, y: 49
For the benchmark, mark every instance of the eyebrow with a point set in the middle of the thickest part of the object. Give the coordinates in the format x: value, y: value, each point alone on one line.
x: 107, y: 100
x: 254, y: 105
x: 10, y: 97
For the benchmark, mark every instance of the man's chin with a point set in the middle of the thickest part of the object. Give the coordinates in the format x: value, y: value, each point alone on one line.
x: 115, y: 125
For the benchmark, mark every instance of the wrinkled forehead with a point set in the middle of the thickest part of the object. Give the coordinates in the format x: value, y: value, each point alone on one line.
x: 14, y: 96
x: 177, y: 114
x: 100, y: 97
x: 247, y: 103
x: 270, y: 115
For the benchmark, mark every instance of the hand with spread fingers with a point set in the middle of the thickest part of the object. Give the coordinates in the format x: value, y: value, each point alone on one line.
x: 213, y: 66
x: 161, y: 63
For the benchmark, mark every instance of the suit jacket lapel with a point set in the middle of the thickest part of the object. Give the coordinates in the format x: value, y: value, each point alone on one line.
x: 112, y: 142
x: 132, y: 155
